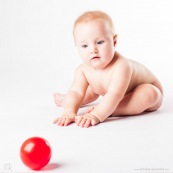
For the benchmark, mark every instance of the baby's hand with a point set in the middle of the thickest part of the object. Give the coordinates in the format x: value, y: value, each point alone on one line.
x: 65, y: 119
x: 86, y: 120
x: 90, y: 109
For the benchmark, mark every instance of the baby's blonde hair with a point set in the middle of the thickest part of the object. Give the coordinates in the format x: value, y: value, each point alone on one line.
x: 95, y: 15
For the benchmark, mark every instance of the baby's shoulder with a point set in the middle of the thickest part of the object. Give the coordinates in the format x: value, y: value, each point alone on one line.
x: 82, y: 68
x: 121, y: 62
x: 119, y: 59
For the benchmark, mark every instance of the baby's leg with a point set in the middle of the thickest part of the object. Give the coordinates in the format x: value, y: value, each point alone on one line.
x: 89, y: 97
x: 145, y: 97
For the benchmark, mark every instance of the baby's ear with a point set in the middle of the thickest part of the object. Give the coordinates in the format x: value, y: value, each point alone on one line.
x: 115, y: 39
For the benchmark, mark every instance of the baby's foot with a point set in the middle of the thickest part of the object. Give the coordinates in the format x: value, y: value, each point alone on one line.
x: 59, y: 99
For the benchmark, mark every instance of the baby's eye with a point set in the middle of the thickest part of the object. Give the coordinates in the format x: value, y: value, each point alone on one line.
x: 84, y: 46
x: 100, y: 42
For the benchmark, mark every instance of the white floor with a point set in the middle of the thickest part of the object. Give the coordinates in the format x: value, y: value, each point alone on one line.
x: 34, y: 63
x: 129, y: 144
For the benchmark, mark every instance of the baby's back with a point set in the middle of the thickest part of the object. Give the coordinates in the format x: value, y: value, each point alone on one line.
x: 142, y: 75
x: 99, y: 80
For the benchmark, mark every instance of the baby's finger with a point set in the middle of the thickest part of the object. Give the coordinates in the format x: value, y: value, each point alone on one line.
x: 87, y: 123
x: 90, y: 109
x: 93, y: 122
x: 67, y: 121
x: 78, y: 119
x: 82, y: 122
x: 61, y: 123
x: 56, y: 120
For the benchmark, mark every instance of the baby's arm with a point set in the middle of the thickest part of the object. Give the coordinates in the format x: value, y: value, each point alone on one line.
x: 74, y: 98
x: 119, y: 83
x: 117, y: 88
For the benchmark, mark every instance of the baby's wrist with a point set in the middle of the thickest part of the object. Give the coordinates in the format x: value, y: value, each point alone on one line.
x: 71, y: 114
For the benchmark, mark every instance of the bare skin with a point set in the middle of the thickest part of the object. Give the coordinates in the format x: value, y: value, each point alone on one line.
x: 127, y: 87
x: 89, y: 97
x: 144, y: 92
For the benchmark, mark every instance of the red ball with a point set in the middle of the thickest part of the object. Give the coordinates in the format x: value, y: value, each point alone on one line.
x: 35, y: 153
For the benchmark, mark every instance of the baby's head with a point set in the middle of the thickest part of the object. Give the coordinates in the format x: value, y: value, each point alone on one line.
x: 95, y: 38
x: 95, y: 16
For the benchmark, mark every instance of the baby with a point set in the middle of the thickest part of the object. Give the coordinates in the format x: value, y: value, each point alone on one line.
x: 127, y: 87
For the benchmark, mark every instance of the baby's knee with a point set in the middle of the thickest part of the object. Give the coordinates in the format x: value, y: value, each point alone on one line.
x: 151, y: 94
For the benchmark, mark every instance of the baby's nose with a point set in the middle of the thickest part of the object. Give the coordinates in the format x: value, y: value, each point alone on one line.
x: 94, y: 49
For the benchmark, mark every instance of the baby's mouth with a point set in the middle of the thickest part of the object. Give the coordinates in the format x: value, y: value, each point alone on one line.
x: 96, y: 57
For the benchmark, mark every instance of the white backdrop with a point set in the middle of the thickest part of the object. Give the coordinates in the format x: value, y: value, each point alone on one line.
x: 38, y: 56
x: 37, y: 52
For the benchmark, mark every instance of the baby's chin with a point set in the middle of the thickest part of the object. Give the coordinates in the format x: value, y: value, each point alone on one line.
x: 98, y: 65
